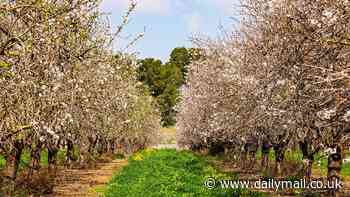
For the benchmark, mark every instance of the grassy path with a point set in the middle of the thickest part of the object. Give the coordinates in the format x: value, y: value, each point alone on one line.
x: 85, y: 182
x: 93, y: 182
x: 167, y: 172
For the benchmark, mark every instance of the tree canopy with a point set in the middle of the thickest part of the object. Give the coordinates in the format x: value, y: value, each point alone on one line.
x: 165, y: 79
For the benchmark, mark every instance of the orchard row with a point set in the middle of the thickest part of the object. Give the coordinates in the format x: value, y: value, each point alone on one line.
x: 63, y: 88
x: 280, y: 80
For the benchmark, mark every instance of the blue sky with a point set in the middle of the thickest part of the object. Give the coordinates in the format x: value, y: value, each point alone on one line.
x: 170, y: 23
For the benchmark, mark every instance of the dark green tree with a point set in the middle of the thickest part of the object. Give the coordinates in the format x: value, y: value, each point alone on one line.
x: 151, y: 73
x: 164, y: 80
x: 180, y: 57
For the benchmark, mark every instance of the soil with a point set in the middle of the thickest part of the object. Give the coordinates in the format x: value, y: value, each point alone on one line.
x: 76, y: 181
x: 85, y: 182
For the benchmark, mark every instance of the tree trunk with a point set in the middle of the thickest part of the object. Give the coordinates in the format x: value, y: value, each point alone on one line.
x: 36, y: 155
x: 279, y: 153
x: 35, y: 161
x: 252, y: 159
x: 250, y: 149
x: 334, y: 167
x: 13, y: 160
x: 265, y: 150
x: 308, y: 169
x: 216, y: 149
x: 308, y: 157
x: 114, y: 147
x: 127, y: 147
x: 52, y: 151
x: 70, y: 152
x: 244, y: 159
x: 100, y: 146
x: 265, y: 161
x: 91, y: 144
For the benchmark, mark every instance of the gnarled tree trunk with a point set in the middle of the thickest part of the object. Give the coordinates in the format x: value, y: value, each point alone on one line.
x: 52, y: 151
x: 36, y: 155
x: 308, y: 157
x: 280, y: 150
x: 334, y: 167
x: 70, y: 152
x: 265, y: 150
x: 250, y: 150
x: 13, y: 160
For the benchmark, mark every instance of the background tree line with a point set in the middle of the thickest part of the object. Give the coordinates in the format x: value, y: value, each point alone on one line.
x: 164, y: 80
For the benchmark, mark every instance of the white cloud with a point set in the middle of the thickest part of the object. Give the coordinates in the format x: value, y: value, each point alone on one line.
x: 112, y: 5
x: 160, y: 7
x: 165, y: 7
x: 194, y: 22
x: 227, y: 6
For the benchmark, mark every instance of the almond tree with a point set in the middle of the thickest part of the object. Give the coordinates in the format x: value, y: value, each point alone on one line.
x: 284, y: 73
x: 305, y: 44
x: 62, y: 86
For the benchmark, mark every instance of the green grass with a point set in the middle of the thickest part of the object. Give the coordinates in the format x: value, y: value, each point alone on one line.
x: 2, y: 162
x: 271, y: 155
x: 319, y: 164
x: 167, y: 173
x: 98, y: 190
x: 322, y: 162
x: 293, y: 155
x: 26, y: 159
x: 345, y: 170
